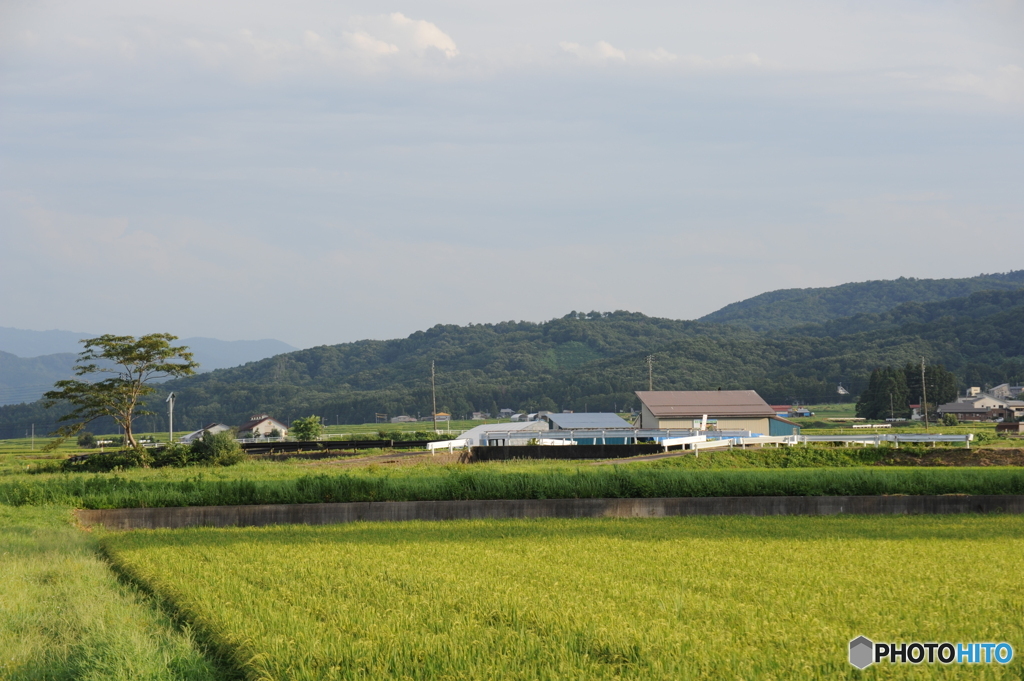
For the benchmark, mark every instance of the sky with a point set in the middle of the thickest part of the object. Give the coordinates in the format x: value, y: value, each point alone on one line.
x: 322, y: 172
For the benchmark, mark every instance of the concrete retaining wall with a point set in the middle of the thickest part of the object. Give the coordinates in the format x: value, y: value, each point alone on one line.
x: 322, y: 514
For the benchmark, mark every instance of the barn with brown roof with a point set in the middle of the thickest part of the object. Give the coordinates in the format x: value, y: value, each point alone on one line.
x: 724, y: 410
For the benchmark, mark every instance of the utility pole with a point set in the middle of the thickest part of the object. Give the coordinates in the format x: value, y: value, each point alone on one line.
x: 170, y: 419
x: 433, y: 394
x: 924, y: 396
x: 891, y: 414
x: 33, y: 436
x: 650, y: 372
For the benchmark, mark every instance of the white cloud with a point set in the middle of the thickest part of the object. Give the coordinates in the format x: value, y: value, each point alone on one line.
x: 364, y: 42
x: 660, y: 55
x: 403, y: 42
x: 603, y: 52
x: 398, y: 31
x: 599, y: 52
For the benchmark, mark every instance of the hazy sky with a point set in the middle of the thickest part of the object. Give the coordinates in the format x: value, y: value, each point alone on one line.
x: 320, y: 172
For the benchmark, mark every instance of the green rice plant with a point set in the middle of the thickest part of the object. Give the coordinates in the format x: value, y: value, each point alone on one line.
x: 64, y: 615
x: 673, y: 598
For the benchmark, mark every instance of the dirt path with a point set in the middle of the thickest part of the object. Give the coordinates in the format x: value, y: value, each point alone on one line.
x: 957, y: 457
x: 646, y: 457
x: 394, y: 459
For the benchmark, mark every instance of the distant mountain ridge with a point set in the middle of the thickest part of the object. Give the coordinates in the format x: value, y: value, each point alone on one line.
x: 210, y: 352
x: 31, y: 361
x: 25, y: 379
x: 786, y: 308
x: 27, y: 343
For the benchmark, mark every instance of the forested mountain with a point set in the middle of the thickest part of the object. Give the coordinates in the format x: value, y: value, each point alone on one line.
x: 596, y: 361
x: 790, y: 307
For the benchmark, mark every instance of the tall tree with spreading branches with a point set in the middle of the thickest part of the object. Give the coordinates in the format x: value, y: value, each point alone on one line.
x: 131, y: 364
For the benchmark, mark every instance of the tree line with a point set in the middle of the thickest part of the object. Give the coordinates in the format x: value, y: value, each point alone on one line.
x: 891, y: 391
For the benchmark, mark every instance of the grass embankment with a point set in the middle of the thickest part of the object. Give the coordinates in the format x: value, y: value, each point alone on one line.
x: 64, y: 615
x: 452, y: 483
x: 673, y: 598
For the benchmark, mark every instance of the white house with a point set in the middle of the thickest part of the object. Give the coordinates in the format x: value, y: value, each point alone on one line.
x: 262, y: 425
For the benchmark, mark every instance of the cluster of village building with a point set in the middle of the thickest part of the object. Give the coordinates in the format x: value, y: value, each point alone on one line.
x: 726, y: 410
x: 1000, y: 403
x: 260, y: 425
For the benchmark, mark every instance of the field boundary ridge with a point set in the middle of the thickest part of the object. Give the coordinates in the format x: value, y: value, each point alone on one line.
x: 347, y: 512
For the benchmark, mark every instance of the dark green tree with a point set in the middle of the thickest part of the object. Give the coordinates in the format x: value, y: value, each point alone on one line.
x: 941, y: 384
x: 886, y: 395
x: 217, y: 449
x: 308, y: 428
x: 866, y: 403
x: 130, y: 364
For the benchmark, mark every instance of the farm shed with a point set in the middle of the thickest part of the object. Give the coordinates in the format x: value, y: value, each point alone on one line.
x: 497, y: 433
x: 602, y: 426
x: 725, y: 410
x: 595, y: 421
x: 212, y: 428
x: 593, y: 428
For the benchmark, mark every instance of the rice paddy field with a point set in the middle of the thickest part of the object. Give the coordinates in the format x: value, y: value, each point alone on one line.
x: 679, y: 598
x: 671, y: 598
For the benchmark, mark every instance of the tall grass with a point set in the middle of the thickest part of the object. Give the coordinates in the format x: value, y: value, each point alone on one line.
x: 674, y: 598
x: 494, y: 483
x: 63, y: 614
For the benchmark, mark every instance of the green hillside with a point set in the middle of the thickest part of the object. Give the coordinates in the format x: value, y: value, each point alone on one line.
x: 596, y: 361
x: 791, y: 307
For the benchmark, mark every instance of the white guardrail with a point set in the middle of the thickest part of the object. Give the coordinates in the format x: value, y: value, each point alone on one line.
x: 450, y: 445
x: 725, y: 443
x: 685, y: 442
x: 876, y: 440
x: 718, y: 439
x: 696, y: 442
